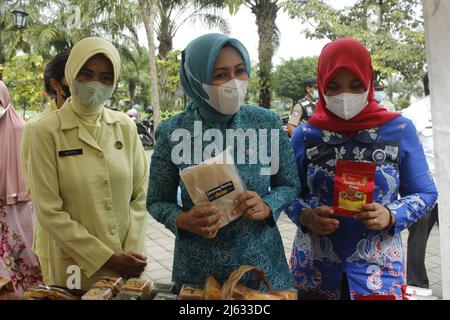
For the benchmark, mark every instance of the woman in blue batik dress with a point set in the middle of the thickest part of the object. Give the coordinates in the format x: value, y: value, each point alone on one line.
x: 339, y: 257
x: 214, y: 73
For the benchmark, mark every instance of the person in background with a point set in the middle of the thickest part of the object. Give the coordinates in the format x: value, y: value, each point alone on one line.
x: 89, y: 175
x: 339, y: 257
x: 17, y: 260
x: 56, y: 87
x: 304, y: 109
x: 214, y: 73
x: 54, y: 80
x: 381, y: 97
x: 420, y: 114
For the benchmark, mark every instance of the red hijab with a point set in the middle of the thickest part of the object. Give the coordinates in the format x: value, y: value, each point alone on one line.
x: 352, y: 55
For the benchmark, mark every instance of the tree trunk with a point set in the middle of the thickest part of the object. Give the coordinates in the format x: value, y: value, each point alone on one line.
x: 165, y: 36
x: 149, y: 24
x: 132, y: 89
x: 266, y: 14
x: 165, y: 46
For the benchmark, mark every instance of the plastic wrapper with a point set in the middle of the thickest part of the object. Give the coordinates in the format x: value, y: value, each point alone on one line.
x: 6, y: 285
x: 163, y: 287
x: 141, y: 286
x: 353, y: 186
x: 191, y: 292
x: 217, y: 181
x: 112, y: 283
x: 128, y: 295
x: 43, y: 292
x: 98, y: 294
x: 212, y: 289
x: 165, y: 296
x: 232, y: 289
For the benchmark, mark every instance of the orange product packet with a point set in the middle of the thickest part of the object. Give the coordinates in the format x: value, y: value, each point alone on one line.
x: 353, y: 186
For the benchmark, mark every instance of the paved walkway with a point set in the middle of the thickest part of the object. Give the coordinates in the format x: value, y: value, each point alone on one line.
x: 160, y: 247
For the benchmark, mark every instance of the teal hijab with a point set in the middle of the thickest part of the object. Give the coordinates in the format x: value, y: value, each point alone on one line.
x: 197, y: 66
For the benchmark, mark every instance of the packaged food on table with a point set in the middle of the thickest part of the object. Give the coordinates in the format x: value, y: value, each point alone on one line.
x: 141, y: 286
x: 212, y: 289
x: 98, y: 294
x: 128, y: 295
x: 217, y: 181
x: 112, y: 283
x: 286, y: 294
x: 165, y: 296
x: 191, y: 292
x: 353, y: 186
x: 43, y: 292
x: 258, y: 295
x: 6, y: 285
x: 164, y: 287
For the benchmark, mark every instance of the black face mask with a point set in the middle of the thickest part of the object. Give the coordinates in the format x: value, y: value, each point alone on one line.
x: 66, y: 91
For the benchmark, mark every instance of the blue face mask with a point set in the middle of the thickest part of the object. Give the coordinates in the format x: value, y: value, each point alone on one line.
x: 316, y: 94
x: 379, y: 96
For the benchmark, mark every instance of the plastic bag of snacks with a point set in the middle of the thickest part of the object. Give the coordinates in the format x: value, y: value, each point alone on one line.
x: 233, y: 290
x: 353, y: 186
x: 215, y: 180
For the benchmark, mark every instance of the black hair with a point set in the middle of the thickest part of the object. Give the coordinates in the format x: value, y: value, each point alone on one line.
x: 378, y: 85
x: 55, y: 70
x: 310, y: 82
x: 426, y: 84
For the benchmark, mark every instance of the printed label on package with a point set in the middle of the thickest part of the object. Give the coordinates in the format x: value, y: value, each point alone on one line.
x: 220, y: 191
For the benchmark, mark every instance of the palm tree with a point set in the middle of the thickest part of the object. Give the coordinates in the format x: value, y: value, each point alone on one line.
x: 265, y: 12
x: 148, y: 18
x: 172, y: 15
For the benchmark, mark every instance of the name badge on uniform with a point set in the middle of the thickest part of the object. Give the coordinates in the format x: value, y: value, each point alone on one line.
x: 67, y: 153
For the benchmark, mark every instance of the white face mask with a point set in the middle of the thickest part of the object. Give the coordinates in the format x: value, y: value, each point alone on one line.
x: 228, y: 97
x: 347, y: 105
x: 3, y: 111
x: 92, y: 94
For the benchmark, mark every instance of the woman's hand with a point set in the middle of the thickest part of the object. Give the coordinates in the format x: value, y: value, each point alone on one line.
x: 317, y: 219
x: 203, y: 220
x: 251, y: 206
x: 375, y: 216
x: 127, y: 264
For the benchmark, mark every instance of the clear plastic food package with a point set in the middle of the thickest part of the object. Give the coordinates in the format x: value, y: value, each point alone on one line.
x: 191, y: 292
x: 215, y: 180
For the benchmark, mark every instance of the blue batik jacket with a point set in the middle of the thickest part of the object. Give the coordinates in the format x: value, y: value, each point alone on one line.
x: 372, y: 260
x: 242, y: 242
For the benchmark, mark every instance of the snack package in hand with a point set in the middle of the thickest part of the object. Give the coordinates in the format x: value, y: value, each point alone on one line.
x: 353, y: 186
x: 217, y: 181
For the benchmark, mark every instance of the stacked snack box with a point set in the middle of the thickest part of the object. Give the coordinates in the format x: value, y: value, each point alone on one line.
x: 191, y: 292
x: 135, y: 289
x: 161, y: 287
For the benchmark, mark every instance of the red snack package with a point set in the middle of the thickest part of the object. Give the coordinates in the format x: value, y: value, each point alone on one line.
x: 353, y: 186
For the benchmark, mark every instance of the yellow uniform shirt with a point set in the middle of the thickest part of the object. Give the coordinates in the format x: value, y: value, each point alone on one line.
x: 89, y: 196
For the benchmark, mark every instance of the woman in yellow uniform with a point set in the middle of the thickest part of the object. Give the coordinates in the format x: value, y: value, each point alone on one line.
x: 57, y: 88
x: 89, y: 176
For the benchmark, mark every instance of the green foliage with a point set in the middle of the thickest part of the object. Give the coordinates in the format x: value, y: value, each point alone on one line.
x: 169, y: 113
x: 24, y: 78
x: 392, y: 30
x: 170, y: 67
x: 290, y: 75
